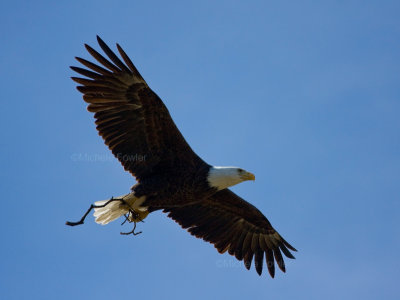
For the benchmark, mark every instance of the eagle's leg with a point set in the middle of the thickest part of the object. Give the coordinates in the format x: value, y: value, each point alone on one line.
x: 81, y: 221
x: 129, y: 219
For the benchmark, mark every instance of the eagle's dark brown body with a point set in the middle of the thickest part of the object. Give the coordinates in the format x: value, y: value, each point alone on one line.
x: 134, y: 122
x: 185, y: 188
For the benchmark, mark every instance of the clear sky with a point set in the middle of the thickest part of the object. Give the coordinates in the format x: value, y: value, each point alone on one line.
x: 304, y: 94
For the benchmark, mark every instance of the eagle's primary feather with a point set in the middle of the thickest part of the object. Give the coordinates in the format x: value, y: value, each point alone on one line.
x: 135, y: 123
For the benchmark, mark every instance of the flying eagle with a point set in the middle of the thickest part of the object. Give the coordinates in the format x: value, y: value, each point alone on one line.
x: 137, y: 127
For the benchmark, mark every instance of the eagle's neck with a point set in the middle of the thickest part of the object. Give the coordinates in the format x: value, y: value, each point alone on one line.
x: 223, y: 177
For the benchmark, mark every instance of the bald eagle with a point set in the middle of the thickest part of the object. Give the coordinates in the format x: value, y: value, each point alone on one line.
x: 138, y: 129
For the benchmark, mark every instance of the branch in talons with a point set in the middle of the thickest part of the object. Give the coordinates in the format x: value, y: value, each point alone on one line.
x: 126, y: 219
x: 132, y: 231
x: 82, y: 220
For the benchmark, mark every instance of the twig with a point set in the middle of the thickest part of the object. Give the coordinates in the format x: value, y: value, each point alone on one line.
x: 132, y: 231
x: 81, y: 221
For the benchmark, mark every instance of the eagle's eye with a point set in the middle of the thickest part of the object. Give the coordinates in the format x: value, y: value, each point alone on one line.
x: 240, y: 170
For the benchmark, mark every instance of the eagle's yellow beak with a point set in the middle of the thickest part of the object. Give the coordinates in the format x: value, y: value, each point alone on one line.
x: 248, y: 176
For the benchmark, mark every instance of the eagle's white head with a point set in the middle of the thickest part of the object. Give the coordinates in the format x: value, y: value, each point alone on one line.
x: 224, y: 177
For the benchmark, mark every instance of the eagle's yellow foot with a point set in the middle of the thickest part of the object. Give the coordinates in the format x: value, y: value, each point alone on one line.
x: 136, y: 215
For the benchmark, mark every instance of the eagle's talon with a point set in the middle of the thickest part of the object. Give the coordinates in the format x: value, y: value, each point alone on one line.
x: 134, y: 214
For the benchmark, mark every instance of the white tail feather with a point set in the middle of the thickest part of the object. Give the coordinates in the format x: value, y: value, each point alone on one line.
x: 114, y: 209
x: 110, y: 212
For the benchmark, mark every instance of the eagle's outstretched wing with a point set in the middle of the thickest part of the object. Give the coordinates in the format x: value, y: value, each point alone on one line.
x: 236, y: 226
x: 131, y: 118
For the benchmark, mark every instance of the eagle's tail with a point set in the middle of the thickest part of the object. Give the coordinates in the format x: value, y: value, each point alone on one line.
x: 109, y: 212
x: 117, y: 207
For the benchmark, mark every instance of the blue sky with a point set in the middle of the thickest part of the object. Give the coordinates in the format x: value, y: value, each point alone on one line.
x: 304, y: 94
